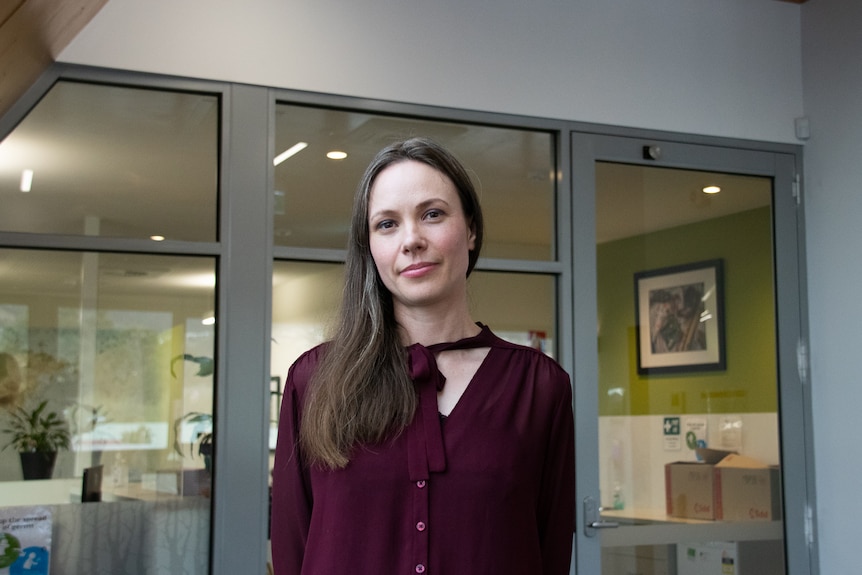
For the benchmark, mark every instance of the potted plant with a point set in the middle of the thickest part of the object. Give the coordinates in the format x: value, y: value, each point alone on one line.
x: 84, y: 421
x: 37, y: 435
x: 201, y: 436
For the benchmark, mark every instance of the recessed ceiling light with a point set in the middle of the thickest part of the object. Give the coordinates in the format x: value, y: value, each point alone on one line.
x: 336, y: 155
x: 294, y: 149
x: 711, y: 190
x: 26, y: 180
x: 157, y: 238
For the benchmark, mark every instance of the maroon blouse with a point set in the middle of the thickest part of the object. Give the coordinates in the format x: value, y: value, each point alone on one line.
x: 490, y: 490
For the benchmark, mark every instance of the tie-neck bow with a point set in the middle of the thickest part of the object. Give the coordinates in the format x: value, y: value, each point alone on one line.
x: 425, y: 449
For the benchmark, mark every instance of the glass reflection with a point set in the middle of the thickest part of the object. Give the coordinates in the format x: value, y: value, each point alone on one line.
x: 114, y: 346
x: 113, y: 161
x: 515, y: 173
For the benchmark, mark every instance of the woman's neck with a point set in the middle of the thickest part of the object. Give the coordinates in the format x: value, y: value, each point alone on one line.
x: 430, y: 326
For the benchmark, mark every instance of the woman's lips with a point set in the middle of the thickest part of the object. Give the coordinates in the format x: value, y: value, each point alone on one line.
x: 417, y: 270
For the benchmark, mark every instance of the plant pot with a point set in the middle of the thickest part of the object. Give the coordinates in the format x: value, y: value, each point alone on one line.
x: 38, y: 464
x: 206, y: 451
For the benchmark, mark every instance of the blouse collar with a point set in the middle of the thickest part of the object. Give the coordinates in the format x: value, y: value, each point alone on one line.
x: 425, y: 449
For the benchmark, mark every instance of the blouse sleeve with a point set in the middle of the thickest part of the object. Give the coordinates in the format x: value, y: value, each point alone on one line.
x: 557, y: 498
x: 291, y: 486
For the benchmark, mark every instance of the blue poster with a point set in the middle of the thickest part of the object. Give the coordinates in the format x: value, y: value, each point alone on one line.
x: 25, y: 541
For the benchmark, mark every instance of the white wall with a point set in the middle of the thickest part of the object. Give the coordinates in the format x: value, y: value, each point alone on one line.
x: 833, y: 204
x: 718, y: 67
x: 633, y: 453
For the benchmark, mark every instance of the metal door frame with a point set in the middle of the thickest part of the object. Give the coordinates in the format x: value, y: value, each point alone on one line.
x: 781, y: 163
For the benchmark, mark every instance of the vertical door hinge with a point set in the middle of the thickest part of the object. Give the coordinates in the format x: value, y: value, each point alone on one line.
x: 802, y: 360
x: 809, y: 526
x: 797, y: 189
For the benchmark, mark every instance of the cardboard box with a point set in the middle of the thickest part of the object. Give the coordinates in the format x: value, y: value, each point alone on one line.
x: 689, y: 489
x: 746, y: 490
x: 734, y: 488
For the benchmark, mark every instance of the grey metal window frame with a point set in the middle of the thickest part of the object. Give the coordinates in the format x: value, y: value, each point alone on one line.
x: 245, y: 254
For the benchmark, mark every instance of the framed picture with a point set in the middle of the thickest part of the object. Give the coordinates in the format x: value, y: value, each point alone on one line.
x: 680, y: 318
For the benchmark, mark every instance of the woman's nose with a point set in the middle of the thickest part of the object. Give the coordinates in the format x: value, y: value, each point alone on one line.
x: 413, y: 238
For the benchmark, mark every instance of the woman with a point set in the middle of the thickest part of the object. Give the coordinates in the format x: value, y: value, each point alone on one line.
x: 381, y: 468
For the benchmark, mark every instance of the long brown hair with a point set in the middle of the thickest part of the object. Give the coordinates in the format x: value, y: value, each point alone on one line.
x: 361, y: 392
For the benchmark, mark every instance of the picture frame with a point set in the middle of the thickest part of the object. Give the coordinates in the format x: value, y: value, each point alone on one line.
x: 275, y: 393
x: 679, y: 313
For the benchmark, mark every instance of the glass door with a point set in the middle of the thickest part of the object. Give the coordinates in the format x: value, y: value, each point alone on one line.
x: 679, y: 277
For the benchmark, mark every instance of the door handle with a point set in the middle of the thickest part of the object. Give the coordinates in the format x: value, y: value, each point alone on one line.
x: 592, y: 520
x: 603, y: 524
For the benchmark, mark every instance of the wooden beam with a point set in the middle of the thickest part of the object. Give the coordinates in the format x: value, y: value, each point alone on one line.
x: 32, y: 35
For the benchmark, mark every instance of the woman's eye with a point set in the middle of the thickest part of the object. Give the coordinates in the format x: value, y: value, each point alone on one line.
x: 433, y: 214
x: 385, y: 225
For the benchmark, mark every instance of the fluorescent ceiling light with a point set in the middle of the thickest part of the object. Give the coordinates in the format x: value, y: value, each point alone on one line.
x: 294, y: 149
x: 157, y: 238
x: 336, y: 155
x: 26, y: 180
x: 711, y: 190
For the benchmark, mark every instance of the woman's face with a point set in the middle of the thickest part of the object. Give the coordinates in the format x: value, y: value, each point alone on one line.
x: 420, y: 238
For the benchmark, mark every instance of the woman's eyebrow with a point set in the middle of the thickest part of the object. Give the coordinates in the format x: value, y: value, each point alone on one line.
x: 420, y: 206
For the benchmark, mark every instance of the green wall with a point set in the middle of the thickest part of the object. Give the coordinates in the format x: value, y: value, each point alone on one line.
x: 749, y: 384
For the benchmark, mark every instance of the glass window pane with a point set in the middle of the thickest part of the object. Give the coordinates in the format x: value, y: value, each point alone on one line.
x: 113, y: 161
x: 118, y: 347
x: 518, y: 307
x: 687, y: 371
x: 514, y: 172
x: 305, y: 297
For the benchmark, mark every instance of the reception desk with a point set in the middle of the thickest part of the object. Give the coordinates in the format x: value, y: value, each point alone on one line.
x: 40, y: 492
x: 651, y: 541
x: 656, y: 527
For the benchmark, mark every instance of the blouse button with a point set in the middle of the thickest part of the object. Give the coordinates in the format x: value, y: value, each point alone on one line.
x: 420, y: 568
x: 420, y: 484
x: 420, y: 526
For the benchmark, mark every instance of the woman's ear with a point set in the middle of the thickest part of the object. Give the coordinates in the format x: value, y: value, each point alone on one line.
x: 471, y: 237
